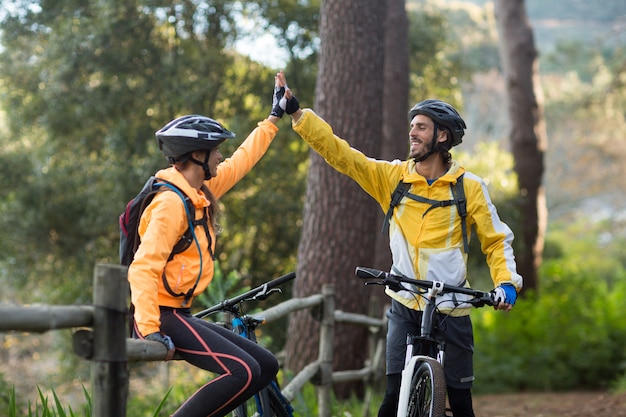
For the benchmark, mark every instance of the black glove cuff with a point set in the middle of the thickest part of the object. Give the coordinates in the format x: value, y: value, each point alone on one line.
x: 277, y: 111
x: 292, y: 105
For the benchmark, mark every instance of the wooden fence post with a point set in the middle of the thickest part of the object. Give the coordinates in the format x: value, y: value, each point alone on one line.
x: 327, y: 336
x: 109, y: 373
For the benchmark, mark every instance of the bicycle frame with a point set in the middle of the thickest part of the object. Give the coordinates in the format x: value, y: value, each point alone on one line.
x: 423, y: 387
x: 245, y: 326
x: 428, y: 348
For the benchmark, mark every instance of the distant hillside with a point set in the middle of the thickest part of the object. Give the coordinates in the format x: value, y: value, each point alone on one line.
x: 555, y: 21
x: 606, y: 11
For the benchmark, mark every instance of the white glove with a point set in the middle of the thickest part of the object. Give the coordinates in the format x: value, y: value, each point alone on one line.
x: 505, y: 293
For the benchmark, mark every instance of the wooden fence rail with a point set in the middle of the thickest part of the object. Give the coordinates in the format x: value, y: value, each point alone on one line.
x: 101, y: 331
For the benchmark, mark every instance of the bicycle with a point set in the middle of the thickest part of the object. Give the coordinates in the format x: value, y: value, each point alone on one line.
x: 423, y: 384
x: 269, y: 398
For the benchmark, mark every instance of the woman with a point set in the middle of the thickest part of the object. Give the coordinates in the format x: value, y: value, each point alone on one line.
x: 162, y: 289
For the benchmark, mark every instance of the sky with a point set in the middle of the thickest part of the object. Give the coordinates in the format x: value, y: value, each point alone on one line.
x: 263, y: 49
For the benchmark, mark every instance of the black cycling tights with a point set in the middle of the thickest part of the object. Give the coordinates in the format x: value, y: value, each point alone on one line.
x: 460, y: 399
x: 243, y: 367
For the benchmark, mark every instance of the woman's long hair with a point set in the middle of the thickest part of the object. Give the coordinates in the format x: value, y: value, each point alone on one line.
x: 214, y: 209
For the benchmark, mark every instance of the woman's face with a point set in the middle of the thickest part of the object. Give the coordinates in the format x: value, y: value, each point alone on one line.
x: 215, y: 158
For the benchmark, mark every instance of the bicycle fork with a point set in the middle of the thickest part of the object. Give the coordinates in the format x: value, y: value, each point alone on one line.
x: 424, y: 349
x: 424, y: 346
x: 245, y: 327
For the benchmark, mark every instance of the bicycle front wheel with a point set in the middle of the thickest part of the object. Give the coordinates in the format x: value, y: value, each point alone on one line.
x: 278, y: 404
x: 427, y: 396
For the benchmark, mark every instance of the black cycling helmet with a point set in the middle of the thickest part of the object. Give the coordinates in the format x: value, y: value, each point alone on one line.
x: 444, y: 115
x: 190, y: 133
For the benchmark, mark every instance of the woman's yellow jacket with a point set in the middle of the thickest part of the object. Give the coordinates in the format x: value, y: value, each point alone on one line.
x: 163, y: 223
x: 423, y: 246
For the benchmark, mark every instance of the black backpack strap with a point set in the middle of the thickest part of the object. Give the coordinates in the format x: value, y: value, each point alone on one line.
x: 402, y: 189
x: 461, y: 204
x: 187, y: 237
x: 185, y: 241
x: 433, y: 203
x: 458, y: 194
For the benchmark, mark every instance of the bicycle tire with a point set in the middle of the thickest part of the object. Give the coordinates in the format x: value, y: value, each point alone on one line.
x: 427, y: 396
x: 279, y: 405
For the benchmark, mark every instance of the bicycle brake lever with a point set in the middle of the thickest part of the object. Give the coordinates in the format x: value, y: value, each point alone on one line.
x: 395, y: 286
x: 265, y: 294
x: 374, y: 283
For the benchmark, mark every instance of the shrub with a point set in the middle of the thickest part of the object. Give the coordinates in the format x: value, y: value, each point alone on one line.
x: 570, y: 336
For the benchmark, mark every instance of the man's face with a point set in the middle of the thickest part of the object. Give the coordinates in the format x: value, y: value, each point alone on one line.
x: 420, y: 135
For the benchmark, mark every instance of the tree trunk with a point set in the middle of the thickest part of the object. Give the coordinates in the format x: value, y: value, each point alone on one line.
x: 340, y: 220
x: 395, y: 106
x: 528, y: 137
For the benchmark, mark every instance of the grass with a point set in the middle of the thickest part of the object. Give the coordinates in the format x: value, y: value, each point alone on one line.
x: 43, y: 407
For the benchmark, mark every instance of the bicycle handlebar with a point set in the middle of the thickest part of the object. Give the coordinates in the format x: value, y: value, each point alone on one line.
x: 481, y: 298
x: 259, y: 293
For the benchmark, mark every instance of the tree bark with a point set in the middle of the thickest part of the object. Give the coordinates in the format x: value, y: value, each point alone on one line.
x: 340, y: 220
x: 395, y: 106
x: 528, y: 135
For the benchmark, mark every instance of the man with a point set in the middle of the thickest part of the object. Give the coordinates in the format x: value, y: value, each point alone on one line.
x: 427, y: 240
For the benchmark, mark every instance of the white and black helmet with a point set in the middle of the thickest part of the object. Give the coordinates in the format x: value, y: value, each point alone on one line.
x: 444, y: 115
x: 190, y: 133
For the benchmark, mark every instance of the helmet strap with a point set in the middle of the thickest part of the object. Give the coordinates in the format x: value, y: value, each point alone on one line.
x: 204, y: 164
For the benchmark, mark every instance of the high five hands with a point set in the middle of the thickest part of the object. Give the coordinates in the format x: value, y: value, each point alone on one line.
x: 283, y: 100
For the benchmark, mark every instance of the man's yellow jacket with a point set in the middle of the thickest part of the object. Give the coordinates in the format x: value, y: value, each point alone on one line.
x: 424, y: 245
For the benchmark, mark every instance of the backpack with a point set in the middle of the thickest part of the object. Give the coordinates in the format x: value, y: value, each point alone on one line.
x: 129, y: 219
x: 129, y: 229
x: 458, y: 193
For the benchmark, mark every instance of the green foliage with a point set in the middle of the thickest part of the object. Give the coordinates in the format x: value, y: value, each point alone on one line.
x: 620, y: 384
x: 569, y: 336
x: 294, y: 25
x: 574, y: 108
x: 43, y: 408
x: 432, y: 73
x: 7, y: 396
x: 447, y: 44
x: 262, y: 214
x: 144, y: 405
x: 223, y: 286
x: 84, y: 85
x: 79, y: 141
x: 472, y: 40
x: 307, y: 404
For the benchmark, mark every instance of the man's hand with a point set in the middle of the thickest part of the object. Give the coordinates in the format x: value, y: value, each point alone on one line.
x: 504, y: 297
x: 167, y: 342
